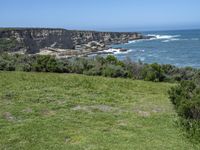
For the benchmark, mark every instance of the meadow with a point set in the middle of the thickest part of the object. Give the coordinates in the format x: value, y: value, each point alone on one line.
x: 68, y: 111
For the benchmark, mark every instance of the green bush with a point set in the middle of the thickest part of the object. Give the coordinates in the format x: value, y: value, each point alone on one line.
x: 111, y: 59
x: 8, y: 44
x: 114, y: 71
x: 153, y: 72
x: 186, y: 99
x: 78, y: 65
x: 7, y: 64
x: 183, y: 92
x: 96, y: 71
x: 106, y: 66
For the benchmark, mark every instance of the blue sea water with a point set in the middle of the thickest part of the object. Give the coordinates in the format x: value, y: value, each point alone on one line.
x: 180, y: 48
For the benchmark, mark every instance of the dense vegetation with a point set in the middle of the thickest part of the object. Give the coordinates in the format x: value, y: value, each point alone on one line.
x: 7, y: 44
x: 98, y: 66
x: 186, y: 99
x: 66, y: 111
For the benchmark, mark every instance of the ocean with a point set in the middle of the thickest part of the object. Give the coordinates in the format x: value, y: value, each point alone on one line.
x: 179, y: 48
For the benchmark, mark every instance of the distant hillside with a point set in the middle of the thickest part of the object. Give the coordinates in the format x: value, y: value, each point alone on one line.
x: 32, y: 40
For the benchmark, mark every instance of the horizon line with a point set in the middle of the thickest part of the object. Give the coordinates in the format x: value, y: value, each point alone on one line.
x: 98, y: 30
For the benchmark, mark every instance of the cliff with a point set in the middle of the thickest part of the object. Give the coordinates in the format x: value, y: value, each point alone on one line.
x: 33, y: 40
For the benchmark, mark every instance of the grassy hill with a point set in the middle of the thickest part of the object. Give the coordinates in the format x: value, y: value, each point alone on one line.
x: 66, y: 111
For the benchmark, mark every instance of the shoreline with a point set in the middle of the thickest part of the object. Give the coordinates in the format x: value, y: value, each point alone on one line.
x: 104, y: 50
x: 62, y: 42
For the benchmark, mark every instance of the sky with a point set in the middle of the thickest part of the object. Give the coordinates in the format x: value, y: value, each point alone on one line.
x: 104, y: 15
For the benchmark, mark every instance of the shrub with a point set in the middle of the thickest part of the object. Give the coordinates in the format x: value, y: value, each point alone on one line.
x: 78, y: 65
x: 7, y: 63
x: 3, y: 64
x: 134, y: 69
x: 153, y: 72
x: 114, y: 71
x: 108, y: 66
x: 186, y: 99
x: 111, y: 59
x: 96, y: 71
x: 182, y: 93
x: 40, y: 63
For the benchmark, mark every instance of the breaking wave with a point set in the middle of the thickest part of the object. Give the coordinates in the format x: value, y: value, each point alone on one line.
x: 162, y: 37
x: 169, y: 40
x: 165, y: 38
x: 116, y: 51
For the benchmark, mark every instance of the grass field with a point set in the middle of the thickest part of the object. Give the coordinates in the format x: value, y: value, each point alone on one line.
x: 64, y: 111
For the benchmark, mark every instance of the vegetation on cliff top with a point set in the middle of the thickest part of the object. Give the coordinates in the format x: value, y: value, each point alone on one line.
x: 98, y: 66
x: 186, y: 100
x: 65, y: 111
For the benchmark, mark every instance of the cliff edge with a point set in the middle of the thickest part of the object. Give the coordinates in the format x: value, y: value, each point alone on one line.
x: 35, y: 40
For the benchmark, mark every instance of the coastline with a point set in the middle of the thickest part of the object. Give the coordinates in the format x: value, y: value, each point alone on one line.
x: 63, y: 43
x: 68, y: 53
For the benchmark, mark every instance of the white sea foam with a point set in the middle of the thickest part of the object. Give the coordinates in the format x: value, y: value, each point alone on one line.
x: 156, y: 36
x: 116, y: 51
x: 131, y: 42
x: 169, y: 40
x: 134, y: 41
x: 166, y: 38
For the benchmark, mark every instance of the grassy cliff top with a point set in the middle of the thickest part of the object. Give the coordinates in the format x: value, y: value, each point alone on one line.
x: 66, y: 111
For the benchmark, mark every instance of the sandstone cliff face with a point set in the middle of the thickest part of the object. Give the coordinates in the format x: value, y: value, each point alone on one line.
x: 32, y: 40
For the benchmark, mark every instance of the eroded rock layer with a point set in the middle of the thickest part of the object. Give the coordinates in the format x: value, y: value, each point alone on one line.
x: 33, y: 40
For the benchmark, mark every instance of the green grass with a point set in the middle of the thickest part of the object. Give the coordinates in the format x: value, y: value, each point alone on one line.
x: 65, y: 111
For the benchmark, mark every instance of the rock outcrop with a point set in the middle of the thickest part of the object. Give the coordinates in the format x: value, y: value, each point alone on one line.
x: 33, y: 40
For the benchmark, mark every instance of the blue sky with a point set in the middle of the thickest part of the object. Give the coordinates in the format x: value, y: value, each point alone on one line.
x: 113, y: 15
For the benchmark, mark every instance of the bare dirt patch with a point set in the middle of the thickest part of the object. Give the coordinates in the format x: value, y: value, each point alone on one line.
x: 122, y: 123
x: 146, y: 112
x: 27, y: 110
x: 8, y: 116
x: 47, y: 113
x: 143, y: 113
x: 103, y: 108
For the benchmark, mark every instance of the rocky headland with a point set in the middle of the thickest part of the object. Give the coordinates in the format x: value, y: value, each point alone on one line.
x: 61, y: 42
